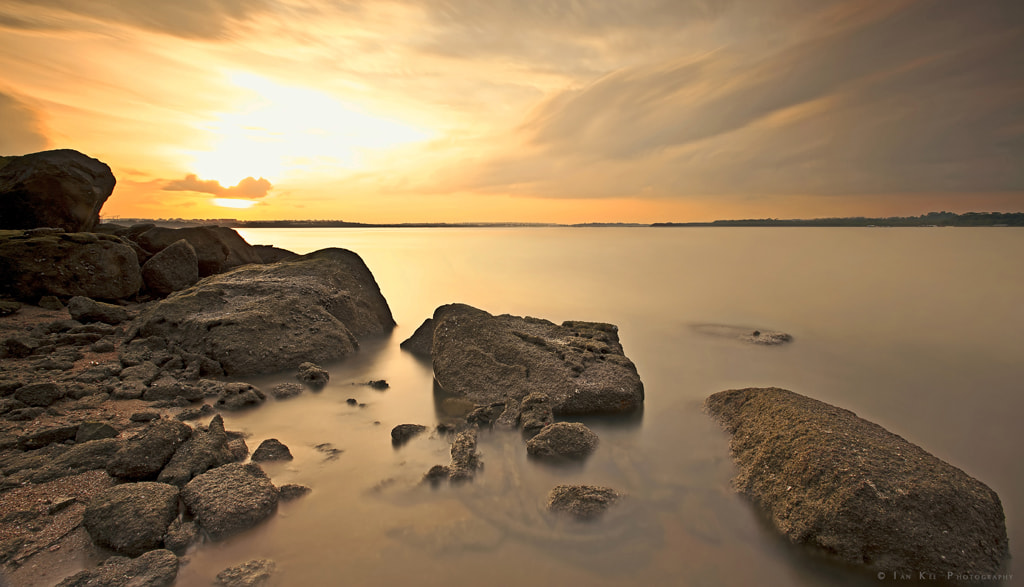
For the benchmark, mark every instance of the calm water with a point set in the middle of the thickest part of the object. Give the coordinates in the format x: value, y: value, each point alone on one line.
x: 920, y: 330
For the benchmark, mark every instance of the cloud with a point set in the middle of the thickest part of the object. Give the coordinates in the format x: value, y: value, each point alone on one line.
x: 23, y: 131
x: 248, y: 188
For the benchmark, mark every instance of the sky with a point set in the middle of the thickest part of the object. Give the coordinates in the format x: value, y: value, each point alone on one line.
x: 522, y: 110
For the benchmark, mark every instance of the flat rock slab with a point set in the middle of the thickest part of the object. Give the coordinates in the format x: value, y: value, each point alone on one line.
x: 267, y: 318
x: 851, y: 488
x: 579, y: 365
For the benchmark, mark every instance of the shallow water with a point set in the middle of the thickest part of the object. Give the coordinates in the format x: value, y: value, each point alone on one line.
x: 919, y: 330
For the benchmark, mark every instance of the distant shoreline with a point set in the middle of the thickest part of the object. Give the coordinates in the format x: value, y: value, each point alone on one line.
x: 932, y: 219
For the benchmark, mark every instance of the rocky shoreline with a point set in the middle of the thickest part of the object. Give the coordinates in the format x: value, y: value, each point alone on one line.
x: 124, y: 347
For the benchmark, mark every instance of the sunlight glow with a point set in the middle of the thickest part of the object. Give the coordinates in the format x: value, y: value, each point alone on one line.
x: 284, y: 131
x: 233, y: 203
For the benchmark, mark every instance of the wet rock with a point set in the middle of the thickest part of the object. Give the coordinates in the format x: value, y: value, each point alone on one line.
x: 272, y: 449
x: 250, y: 574
x: 94, y: 431
x: 144, y: 456
x: 378, y: 384
x: 174, y: 268
x: 180, y: 535
x: 421, y: 342
x: 582, y: 502
x: 62, y: 188
x: 485, y: 415
x: 286, y: 390
x: 535, y: 413
x: 206, y: 448
x: 580, y: 366
x: 465, y: 458
x: 239, y: 450
x: 87, y: 310
x: 74, y: 264
x: 403, y: 432
x: 50, y: 303
x: 230, y: 499
x: 852, y: 489
x: 43, y: 436
x: 292, y: 491
x: 313, y: 375
x: 156, y: 568
x: 237, y: 396
x: 216, y: 248
x: 39, y: 394
x: 268, y: 318
x: 132, y: 518
x: 563, y: 440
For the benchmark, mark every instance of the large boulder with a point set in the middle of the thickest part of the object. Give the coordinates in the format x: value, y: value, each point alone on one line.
x: 172, y: 269
x: 145, y: 456
x: 230, y: 499
x: 856, y: 491
x: 132, y: 518
x: 60, y: 189
x: 267, y: 318
x: 156, y: 568
x: 579, y: 365
x: 97, y: 266
x: 206, y: 448
x: 217, y: 248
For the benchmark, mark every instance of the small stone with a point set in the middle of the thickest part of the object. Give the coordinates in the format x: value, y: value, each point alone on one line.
x: 286, y: 390
x: 272, y: 449
x: 404, y: 432
x: 144, y: 416
x: 351, y: 401
x: 292, y: 491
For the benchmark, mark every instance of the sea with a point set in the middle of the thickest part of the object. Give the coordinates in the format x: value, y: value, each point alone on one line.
x: 920, y: 330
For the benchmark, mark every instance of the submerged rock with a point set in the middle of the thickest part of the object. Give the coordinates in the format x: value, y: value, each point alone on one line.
x: 250, y: 574
x: 856, y: 491
x: 313, y: 375
x: 563, y: 440
x: 488, y: 359
x: 583, y: 502
x: 61, y: 188
x: 156, y: 568
x: 132, y: 518
x: 267, y: 318
x: 404, y: 432
x: 230, y: 499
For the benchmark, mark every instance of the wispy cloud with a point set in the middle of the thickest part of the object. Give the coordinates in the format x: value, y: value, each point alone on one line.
x: 23, y: 131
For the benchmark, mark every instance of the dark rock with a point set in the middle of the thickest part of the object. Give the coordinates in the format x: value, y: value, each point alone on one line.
x: 485, y: 415
x: 272, y: 449
x: 378, y: 384
x: 509, y: 417
x: 582, y: 502
x: 231, y: 498
x: 206, y: 448
x: 437, y: 473
x: 61, y: 188
x: 19, y: 346
x: 267, y: 318
x: 180, y: 535
x: 488, y: 359
x: 421, y: 342
x: 156, y: 568
x: 403, y: 432
x: 143, y: 457
x: 102, y: 346
x: 313, y: 375
x: 239, y: 450
x: 251, y: 574
x: 94, y: 431
x: 292, y: 491
x: 24, y: 414
x: 75, y: 264
x: 535, y: 413
x: 563, y: 440
x: 329, y: 451
x: 272, y: 254
x: 128, y: 390
x: 195, y: 413
x: 286, y: 390
x: 50, y: 303
x: 856, y: 491
x: 86, y: 310
x: 44, y: 436
x: 465, y: 459
x: 145, y: 373
x: 144, y: 416
x: 11, y: 404
x: 170, y: 389
x: 7, y: 308
x: 217, y: 248
x: 351, y: 401
x: 39, y: 394
x: 236, y: 396
x: 132, y: 518
x: 172, y: 269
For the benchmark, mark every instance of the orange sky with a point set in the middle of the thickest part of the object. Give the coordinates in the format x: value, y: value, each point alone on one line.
x: 526, y: 111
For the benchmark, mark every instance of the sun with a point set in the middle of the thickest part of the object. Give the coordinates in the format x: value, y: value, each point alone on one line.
x: 233, y: 203
x: 278, y: 131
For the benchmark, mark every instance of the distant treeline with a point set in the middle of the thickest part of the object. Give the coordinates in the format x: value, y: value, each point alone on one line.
x: 930, y: 219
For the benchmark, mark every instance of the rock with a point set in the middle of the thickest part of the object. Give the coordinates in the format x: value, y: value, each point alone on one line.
x: 292, y: 491
x: 489, y: 359
x: 145, y: 416
x: 166, y: 389
x: 195, y: 413
x: 465, y: 459
x: 535, y: 413
x: 852, y: 489
x: 94, y: 431
x: 172, y: 269
x: 239, y: 450
x: 378, y: 384
x: 7, y: 307
x: 49, y: 435
x: 19, y: 346
x: 145, y: 456
x: 236, y: 396
x: 61, y: 188
x: 207, y: 448
x: 74, y: 264
x: 73, y: 460
x: 485, y: 415
x: 103, y: 346
x: 403, y: 432
x: 87, y: 310
x: 272, y: 254
x: 251, y: 574
x: 565, y: 440
x: 422, y: 340
x: 132, y: 518
x: 50, y: 303
x: 313, y: 375
x: 39, y: 394
x: 268, y: 318
x: 156, y: 568
x: 583, y: 502
x: 217, y: 248
x: 180, y: 535
x: 272, y: 449
x: 231, y: 498
x: 286, y: 390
